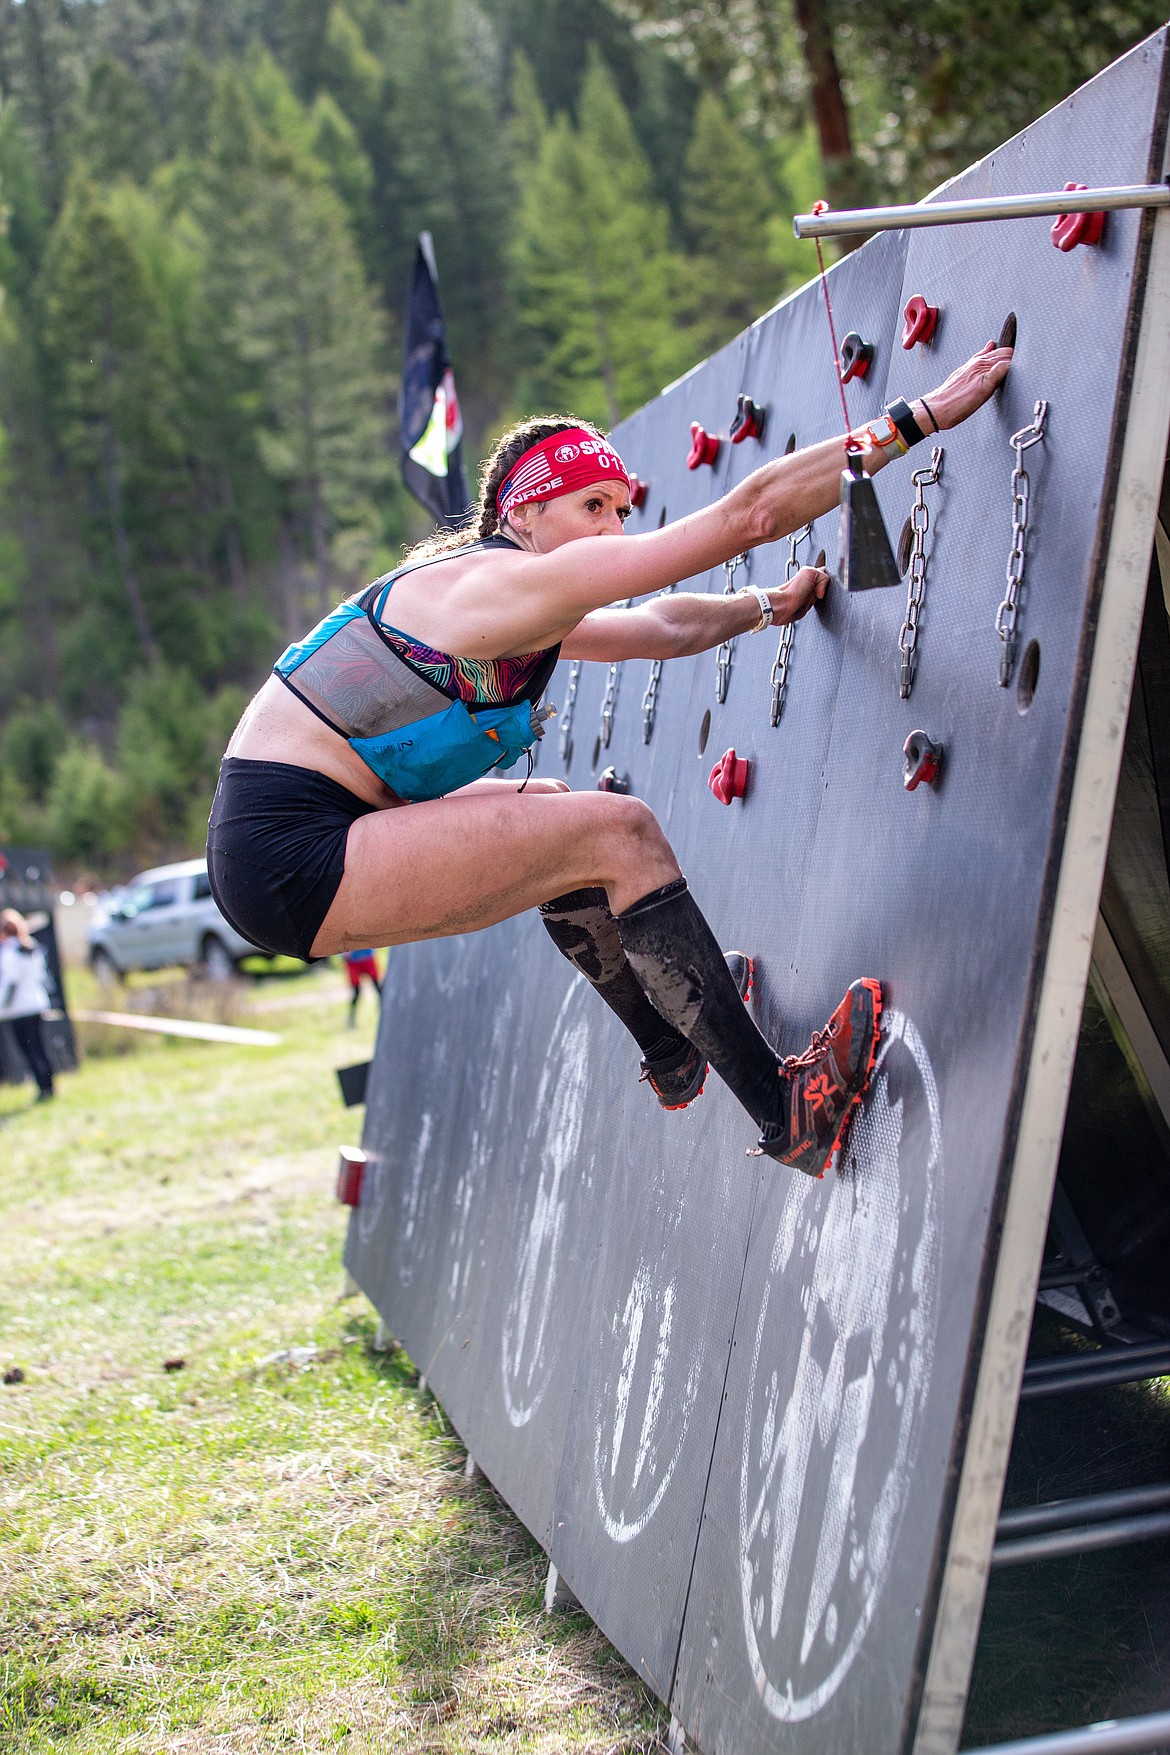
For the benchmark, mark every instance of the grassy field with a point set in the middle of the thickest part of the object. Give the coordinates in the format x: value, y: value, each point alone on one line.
x: 267, y: 1547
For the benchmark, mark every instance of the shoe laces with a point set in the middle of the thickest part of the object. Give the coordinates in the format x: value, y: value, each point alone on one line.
x: 815, y: 1051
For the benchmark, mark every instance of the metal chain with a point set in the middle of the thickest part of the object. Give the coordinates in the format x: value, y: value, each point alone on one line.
x: 650, y: 698
x: 787, y: 632
x: 650, y: 701
x: 609, y: 700
x: 608, y: 703
x: 916, y: 572
x: 726, y: 648
x: 1007, y: 616
x: 566, y: 731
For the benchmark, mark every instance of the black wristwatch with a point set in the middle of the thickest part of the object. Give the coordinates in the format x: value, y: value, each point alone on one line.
x: 899, y: 412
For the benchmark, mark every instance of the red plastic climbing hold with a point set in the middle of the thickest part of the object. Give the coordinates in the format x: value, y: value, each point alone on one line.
x: 349, y: 1176
x: 856, y: 357
x: 729, y: 777
x: 1072, y: 229
x: 638, y: 491
x: 749, y: 420
x: 704, y: 447
x: 921, y: 319
x: 922, y: 759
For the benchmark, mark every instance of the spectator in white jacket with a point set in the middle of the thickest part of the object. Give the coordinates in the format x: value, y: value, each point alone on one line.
x: 24, y: 995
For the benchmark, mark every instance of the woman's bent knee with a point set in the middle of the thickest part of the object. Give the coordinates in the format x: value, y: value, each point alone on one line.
x: 638, y: 848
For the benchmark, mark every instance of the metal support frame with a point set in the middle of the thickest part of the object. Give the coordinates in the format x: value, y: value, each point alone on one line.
x: 1125, y: 1736
x: 1029, y: 1520
x: 1087, y: 1540
x: 1095, y: 1370
x: 1076, y: 1266
x: 557, y: 1594
x: 1080, y: 1526
x: 852, y: 221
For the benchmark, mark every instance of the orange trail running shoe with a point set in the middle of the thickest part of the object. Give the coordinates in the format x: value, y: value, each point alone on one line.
x: 679, y: 1078
x: 826, y: 1083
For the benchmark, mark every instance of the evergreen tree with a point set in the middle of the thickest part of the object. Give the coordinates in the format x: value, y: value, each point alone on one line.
x: 112, y: 360
x: 950, y: 81
x: 296, y: 311
x: 358, y: 82
x: 728, y: 208
x: 39, y: 517
x: 598, y: 286
x: 304, y: 319
x: 42, y: 71
x: 118, y: 134
x: 453, y: 181
x: 557, y: 38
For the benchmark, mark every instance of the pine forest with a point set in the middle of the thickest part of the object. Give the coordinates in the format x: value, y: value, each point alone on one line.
x: 208, y: 215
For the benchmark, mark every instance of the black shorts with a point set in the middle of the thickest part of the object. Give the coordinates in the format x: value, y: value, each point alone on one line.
x: 276, y: 850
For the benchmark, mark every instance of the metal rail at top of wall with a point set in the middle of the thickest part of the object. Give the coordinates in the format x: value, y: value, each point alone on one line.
x: 854, y: 220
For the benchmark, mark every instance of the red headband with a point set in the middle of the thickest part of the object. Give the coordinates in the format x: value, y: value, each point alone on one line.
x: 560, y: 465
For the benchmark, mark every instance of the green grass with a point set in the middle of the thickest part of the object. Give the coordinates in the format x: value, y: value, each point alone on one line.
x: 242, y: 1555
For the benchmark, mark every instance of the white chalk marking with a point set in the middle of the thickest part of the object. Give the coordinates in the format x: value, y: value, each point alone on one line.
x: 555, y: 1135
x: 183, y: 1027
x: 819, y: 1476
x: 617, y: 1486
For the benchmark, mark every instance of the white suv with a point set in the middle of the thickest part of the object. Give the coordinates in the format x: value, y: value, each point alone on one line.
x: 166, y: 916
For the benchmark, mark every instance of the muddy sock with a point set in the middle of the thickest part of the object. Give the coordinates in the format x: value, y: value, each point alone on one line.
x: 677, y: 959
x: 583, y: 929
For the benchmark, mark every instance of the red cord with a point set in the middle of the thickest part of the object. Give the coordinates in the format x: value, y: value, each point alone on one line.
x: 851, y: 444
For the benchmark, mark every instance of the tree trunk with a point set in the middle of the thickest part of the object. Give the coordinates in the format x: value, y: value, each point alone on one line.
x: 842, y: 183
x: 233, y: 548
x: 320, y: 545
x: 290, y: 581
x: 40, y: 62
x: 130, y: 582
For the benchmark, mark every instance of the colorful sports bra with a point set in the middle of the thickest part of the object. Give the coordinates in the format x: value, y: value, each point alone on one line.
x: 425, y: 722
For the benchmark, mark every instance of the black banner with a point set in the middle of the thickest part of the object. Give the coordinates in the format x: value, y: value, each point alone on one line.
x: 430, y: 419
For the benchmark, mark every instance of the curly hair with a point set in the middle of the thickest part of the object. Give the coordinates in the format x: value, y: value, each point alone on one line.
x: 484, y: 519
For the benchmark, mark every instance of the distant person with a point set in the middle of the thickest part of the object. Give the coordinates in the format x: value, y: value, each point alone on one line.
x: 24, y: 995
x: 354, y: 808
x: 359, y: 964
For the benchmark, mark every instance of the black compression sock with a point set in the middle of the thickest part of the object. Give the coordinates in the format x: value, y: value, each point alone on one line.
x: 679, y: 963
x: 583, y: 929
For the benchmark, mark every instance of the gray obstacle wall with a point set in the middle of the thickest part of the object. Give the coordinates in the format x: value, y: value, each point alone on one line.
x: 760, y: 1424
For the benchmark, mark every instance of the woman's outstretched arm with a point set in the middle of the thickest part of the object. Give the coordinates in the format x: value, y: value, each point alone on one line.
x: 549, y: 594
x: 689, y: 621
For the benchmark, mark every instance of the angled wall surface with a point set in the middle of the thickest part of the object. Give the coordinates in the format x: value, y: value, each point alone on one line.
x: 754, y: 1419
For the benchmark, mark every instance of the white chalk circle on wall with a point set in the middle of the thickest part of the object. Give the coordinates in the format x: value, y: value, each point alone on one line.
x: 554, y: 1137
x: 831, y: 1433
x: 643, y: 1409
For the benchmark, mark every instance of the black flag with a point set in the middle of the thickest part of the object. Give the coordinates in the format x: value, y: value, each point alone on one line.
x: 429, y: 417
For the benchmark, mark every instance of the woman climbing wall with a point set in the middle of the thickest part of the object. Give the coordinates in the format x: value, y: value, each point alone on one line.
x: 410, y: 693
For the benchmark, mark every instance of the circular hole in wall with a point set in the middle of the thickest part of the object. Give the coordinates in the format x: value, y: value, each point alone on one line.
x: 704, y: 730
x: 1029, y: 676
x: 1007, y: 335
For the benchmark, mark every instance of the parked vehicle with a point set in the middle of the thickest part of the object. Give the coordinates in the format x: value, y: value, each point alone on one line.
x: 163, y: 917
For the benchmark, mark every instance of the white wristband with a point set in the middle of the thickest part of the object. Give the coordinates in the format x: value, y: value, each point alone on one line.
x: 767, y: 613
